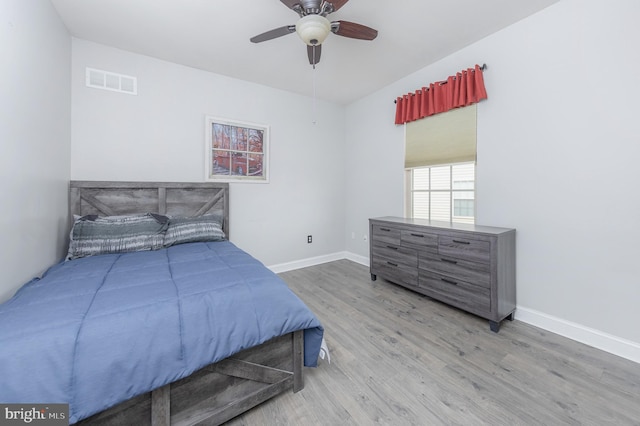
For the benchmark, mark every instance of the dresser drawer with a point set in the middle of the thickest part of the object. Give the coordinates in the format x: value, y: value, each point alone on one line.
x: 395, y: 254
x: 458, y: 293
x: 464, y: 247
x: 394, y: 271
x: 457, y: 268
x: 419, y: 239
x: 385, y: 234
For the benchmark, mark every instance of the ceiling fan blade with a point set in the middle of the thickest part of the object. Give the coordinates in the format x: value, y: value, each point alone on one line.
x: 337, y: 4
x: 275, y: 33
x: 314, y: 53
x: 353, y: 30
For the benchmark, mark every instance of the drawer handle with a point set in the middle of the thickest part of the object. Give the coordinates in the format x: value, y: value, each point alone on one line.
x: 417, y: 235
x: 385, y: 229
x: 461, y: 242
x: 392, y: 247
x: 455, y: 262
x: 393, y: 264
x: 449, y: 281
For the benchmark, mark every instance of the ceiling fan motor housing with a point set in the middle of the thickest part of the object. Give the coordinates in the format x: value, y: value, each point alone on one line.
x: 313, y: 29
x: 311, y: 6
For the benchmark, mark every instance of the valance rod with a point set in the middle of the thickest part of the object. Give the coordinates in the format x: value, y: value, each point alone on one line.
x: 482, y: 68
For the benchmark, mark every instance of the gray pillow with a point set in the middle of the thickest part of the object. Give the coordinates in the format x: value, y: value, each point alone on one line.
x: 193, y: 229
x: 92, y: 235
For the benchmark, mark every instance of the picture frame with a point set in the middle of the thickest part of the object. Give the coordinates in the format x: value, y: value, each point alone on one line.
x: 236, y: 151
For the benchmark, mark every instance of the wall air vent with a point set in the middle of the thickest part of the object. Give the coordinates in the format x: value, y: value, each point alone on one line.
x: 106, y: 80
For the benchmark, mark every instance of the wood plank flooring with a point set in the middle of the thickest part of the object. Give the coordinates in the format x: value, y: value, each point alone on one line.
x: 399, y: 358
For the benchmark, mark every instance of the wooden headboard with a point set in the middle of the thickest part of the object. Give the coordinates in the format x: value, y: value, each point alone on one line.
x: 167, y: 198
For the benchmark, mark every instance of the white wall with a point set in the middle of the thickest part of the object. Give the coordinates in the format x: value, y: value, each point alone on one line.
x: 35, y: 133
x: 558, y: 145
x: 159, y: 136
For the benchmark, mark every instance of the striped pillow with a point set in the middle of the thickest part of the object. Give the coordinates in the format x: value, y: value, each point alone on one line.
x: 193, y: 229
x: 92, y: 235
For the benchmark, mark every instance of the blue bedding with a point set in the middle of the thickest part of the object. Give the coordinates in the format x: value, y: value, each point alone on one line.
x: 96, y: 331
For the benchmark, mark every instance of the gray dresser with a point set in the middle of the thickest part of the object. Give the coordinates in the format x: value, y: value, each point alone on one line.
x: 467, y: 266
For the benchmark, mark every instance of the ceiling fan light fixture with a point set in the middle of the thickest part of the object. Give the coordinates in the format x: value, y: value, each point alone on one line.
x: 313, y: 29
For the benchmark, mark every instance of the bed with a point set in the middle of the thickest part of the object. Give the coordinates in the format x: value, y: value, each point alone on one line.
x: 196, y: 331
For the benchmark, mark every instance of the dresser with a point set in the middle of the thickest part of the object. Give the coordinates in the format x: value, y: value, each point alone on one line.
x: 470, y: 267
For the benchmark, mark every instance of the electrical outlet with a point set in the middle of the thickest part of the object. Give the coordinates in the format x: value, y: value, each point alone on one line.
x: 309, y: 239
x: 365, y: 238
x: 353, y: 235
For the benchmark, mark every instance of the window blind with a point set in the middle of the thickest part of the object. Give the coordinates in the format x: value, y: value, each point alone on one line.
x: 445, y: 138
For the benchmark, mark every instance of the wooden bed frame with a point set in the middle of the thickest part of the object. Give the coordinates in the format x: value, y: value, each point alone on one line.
x: 222, y: 390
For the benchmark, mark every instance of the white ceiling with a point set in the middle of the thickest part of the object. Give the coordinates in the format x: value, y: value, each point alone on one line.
x: 213, y: 35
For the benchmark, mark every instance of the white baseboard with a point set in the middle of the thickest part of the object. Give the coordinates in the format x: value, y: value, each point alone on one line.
x: 363, y: 260
x: 304, y: 263
x: 589, y: 336
x: 312, y: 261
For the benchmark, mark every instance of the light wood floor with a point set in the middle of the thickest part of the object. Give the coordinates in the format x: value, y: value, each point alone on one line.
x: 399, y: 358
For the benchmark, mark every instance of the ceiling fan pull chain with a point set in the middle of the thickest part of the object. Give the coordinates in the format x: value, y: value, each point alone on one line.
x: 313, y: 77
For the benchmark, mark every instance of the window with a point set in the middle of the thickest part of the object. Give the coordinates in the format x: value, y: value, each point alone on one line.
x: 440, y: 157
x: 443, y: 192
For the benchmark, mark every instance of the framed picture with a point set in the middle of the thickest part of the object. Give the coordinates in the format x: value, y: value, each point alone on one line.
x: 236, y: 151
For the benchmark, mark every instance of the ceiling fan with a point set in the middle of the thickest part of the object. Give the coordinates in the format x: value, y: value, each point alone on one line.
x: 313, y: 26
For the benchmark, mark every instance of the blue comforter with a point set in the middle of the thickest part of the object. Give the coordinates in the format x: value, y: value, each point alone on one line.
x: 96, y: 331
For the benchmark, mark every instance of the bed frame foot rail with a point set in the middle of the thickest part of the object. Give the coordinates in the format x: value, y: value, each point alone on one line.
x: 218, y: 392
x: 259, y: 383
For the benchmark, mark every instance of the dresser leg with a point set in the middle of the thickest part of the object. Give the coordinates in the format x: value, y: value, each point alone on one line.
x: 511, y: 316
x: 494, y: 326
x: 373, y: 277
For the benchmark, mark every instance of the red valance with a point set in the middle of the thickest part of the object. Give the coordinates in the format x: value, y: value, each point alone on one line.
x: 463, y: 89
